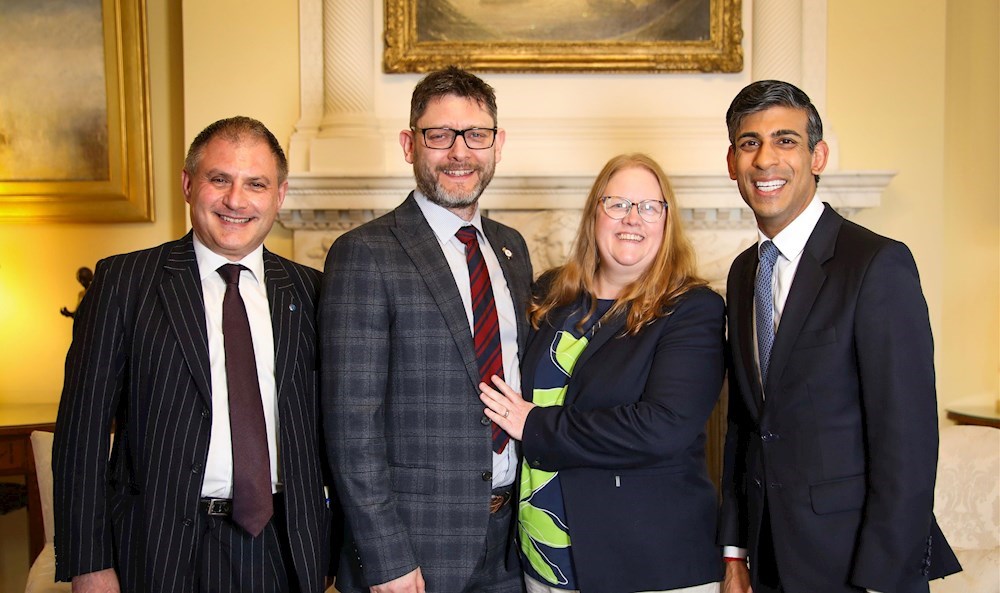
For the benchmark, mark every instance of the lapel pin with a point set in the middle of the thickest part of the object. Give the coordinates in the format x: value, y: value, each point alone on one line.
x: 291, y: 307
x: 507, y: 252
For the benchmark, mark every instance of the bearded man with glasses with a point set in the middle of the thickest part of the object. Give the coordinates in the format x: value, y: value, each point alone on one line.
x: 417, y: 308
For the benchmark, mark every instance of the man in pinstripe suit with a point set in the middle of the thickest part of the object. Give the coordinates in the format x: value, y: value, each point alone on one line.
x: 149, y: 358
x: 425, y: 495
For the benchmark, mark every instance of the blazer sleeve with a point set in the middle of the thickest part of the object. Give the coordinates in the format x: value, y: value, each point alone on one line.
x: 354, y: 324
x: 732, y: 520
x: 895, y: 357
x: 92, y: 387
x: 664, y: 418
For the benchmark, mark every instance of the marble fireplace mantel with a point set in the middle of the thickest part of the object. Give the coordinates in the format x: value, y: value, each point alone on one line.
x: 546, y: 210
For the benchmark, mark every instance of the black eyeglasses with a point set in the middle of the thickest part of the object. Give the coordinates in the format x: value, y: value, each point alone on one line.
x: 444, y: 138
x: 618, y: 208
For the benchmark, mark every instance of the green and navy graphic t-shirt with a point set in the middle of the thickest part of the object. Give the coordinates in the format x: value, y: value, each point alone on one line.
x: 541, y: 514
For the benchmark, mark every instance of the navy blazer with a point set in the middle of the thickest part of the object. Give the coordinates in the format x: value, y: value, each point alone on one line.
x: 139, y: 358
x: 845, y: 445
x: 629, y: 445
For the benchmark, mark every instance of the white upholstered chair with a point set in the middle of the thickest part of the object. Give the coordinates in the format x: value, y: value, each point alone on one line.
x: 41, y: 577
x: 967, y: 506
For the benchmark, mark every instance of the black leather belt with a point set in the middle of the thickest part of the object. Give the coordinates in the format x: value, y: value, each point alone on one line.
x: 217, y: 507
x: 223, y: 507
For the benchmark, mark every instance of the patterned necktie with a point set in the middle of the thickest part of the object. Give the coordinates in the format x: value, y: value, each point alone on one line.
x: 486, y: 332
x: 252, y: 502
x: 763, y: 299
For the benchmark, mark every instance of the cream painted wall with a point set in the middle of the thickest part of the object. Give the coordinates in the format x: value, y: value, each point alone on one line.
x: 898, y: 97
x: 971, y: 312
x: 241, y: 57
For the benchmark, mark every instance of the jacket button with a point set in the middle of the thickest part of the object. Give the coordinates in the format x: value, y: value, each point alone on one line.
x: 487, y: 476
x: 205, y: 413
x: 756, y: 482
x: 196, y: 468
x: 187, y: 522
x: 485, y: 421
x: 769, y: 436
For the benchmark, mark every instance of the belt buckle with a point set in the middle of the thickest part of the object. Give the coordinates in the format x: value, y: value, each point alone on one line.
x: 497, y: 501
x: 218, y: 507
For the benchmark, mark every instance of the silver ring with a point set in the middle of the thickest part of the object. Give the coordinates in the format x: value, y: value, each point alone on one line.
x: 506, y: 413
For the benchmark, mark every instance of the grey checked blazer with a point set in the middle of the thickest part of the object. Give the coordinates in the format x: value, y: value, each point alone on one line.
x: 139, y: 357
x: 402, y: 417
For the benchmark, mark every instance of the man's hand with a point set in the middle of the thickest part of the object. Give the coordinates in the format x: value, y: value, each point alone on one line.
x: 411, y: 582
x: 102, y: 581
x: 737, y: 578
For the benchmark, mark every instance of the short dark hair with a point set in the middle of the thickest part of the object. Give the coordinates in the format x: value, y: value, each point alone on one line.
x: 236, y: 129
x: 451, y: 81
x: 764, y: 94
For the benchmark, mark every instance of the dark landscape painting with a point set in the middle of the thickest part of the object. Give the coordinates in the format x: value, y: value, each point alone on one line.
x: 562, y: 20
x: 53, y: 98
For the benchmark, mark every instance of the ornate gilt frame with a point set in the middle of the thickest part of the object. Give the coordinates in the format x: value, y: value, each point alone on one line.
x: 126, y: 195
x: 723, y: 52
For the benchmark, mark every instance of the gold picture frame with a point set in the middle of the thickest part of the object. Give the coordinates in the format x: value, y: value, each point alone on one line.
x: 45, y: 130
x: 532, y: 36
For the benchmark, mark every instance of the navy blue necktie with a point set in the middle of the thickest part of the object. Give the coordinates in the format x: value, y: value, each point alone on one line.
x: 486, y: 334
x: 763, y: 298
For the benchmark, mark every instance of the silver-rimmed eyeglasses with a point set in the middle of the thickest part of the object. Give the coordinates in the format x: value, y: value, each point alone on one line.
x: 444, y: 138
x: 618, y: 208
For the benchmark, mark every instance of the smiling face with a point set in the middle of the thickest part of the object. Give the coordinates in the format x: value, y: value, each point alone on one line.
x: 627, y: 247
x: 234, y: 196
x: 773, y: 167
x: 453, y: 178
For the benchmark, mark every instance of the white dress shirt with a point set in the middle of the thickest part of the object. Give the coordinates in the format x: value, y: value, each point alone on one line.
x: 791, y: 242
x: 219, y: 468
x: 445, y: 224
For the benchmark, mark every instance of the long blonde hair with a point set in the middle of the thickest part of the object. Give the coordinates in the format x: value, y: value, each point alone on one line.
x: 670, y: 274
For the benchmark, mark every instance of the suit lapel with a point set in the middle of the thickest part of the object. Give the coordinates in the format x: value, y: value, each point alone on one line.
x: 514, y: 265
x: 608, y: 329
x: 421, y: 245
x: 182, y: 299
x: 285, y: 319
x: 809, y: 279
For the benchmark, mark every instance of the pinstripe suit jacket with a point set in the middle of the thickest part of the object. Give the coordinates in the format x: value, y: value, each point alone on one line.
x: 139, y: 357
x: 411, y: 458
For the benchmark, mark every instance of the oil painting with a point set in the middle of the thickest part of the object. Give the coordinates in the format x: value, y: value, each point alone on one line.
x: 564, y: 35
x: 74, y: 142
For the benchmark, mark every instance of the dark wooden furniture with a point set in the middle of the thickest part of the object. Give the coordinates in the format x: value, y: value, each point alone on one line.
x: 17, y: 422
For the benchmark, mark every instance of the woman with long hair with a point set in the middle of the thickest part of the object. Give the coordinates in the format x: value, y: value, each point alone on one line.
x: 621, y: 373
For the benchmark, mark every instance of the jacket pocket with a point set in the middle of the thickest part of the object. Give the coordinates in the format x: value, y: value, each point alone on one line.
x: 811, y: 339
x: 837, y: 496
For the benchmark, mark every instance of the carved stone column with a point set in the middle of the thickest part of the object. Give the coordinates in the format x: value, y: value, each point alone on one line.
x: 347, y: 135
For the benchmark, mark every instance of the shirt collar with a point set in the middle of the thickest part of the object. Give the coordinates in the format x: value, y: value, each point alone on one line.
x: 792, y: 239
x: 210, y: 261
x: 444, y: 222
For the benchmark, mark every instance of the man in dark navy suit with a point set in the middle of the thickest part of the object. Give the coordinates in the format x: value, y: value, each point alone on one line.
x: 831, y: 453
x: 202, y: 354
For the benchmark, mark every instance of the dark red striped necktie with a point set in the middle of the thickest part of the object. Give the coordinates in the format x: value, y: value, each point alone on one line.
x: 252, y: 501
x: 486, y: 330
